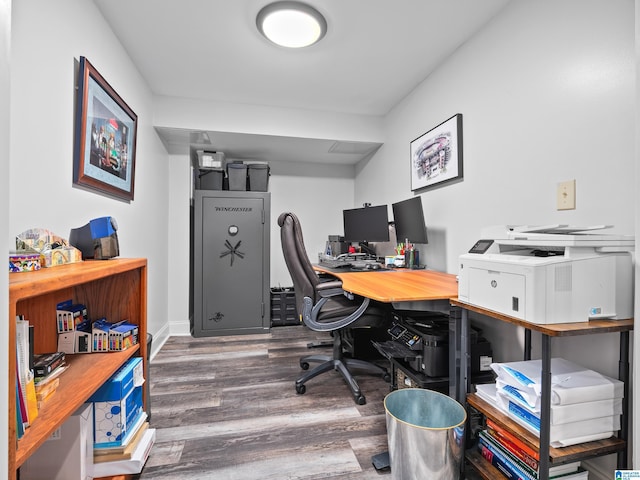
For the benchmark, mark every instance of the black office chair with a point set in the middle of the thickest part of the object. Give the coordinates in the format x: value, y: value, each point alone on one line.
x: 325, y: 307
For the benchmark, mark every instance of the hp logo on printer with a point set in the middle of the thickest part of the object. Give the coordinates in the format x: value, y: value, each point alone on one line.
x: 494, y: 284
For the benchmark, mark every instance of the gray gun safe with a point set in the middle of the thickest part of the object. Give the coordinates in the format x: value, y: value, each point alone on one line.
x: 230, y: 263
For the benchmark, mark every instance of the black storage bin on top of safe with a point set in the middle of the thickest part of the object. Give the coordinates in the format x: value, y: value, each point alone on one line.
x: 209, y: 179
x: 258, y: 177
x: 237, y: 173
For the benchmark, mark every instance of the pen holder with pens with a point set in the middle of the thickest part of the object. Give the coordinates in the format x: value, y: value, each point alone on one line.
x: 412, y: 258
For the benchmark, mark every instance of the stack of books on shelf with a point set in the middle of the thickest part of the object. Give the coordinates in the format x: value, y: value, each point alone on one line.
x: 47, y: 368
x: 34, y: 376
x: 516, y: 460
x: 129, y: 456
x: 140, y: 435
x: 26, y: 403
x: 585, y: 405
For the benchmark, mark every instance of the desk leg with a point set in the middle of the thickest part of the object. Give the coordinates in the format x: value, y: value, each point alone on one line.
x: 527, y: 344
x: 623, y: 376
x: 459, y: 359
x: 545, y: 408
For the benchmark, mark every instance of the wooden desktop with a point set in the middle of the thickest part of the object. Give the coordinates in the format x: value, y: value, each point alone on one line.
x: 397, y: 285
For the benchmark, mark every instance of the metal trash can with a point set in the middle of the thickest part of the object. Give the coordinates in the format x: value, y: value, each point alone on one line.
x: 425, y: 432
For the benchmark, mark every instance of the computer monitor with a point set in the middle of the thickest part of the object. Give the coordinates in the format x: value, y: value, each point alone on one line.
x: 409, y: 221
x: 367, y: 224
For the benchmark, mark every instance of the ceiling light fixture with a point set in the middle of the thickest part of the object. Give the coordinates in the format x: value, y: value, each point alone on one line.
x: 291, y: 24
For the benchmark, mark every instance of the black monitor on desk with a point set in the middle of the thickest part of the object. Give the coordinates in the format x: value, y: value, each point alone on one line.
x: 366, y: 224
x: 408, y: 218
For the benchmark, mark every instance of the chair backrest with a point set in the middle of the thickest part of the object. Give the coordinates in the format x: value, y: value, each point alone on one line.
x: 304, y: 277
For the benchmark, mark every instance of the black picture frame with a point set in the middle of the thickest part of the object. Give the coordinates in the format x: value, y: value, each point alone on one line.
x: 436, y: 156
x: 105, y: 137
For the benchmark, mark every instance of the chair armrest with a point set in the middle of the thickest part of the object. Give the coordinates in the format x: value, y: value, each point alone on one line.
x: 310, y: 314
x: 328, y: 285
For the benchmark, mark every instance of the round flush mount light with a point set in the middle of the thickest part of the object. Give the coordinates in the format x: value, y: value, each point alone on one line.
x: 291, y: 24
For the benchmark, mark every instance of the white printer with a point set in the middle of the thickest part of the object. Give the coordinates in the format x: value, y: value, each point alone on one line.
x: 549, y: 274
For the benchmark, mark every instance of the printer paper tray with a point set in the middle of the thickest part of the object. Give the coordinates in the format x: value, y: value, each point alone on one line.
x: 392, y: 349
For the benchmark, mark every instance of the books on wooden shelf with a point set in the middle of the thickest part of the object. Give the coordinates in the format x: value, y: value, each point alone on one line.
x: 25, y: 385
x: 44, y: 391
x: 514, y: 468
x: 39, y: 381
x: 515, y: 445
x: 134, y: 463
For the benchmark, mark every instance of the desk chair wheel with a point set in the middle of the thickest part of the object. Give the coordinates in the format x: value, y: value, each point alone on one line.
x: 386, y: 377
x: 300, y: 389
x: 360, y: 400
x: 304, y: 365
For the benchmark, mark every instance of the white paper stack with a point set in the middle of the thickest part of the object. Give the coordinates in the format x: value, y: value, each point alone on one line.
x: 585, y: 405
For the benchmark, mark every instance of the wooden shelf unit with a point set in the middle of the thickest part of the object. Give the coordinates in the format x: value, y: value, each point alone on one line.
x: 115, y: 289
x: 550, y: 456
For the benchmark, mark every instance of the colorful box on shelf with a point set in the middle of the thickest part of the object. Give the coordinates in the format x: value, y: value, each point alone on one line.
x: 75, y: 342
x: 123, y: 335
x: 24, y: 262
x: 100, y: 335
x: 53, y: 249
x: 70, y: 316
x: 117, y: 405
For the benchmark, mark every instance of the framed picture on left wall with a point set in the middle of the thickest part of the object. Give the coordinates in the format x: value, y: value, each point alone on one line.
x: 105, y: 137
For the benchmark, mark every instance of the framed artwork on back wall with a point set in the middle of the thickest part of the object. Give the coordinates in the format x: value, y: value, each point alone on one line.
x: 436, y: 156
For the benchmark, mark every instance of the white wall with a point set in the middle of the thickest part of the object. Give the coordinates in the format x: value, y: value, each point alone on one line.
x: 47, y: 40
x: 5, y: 57
x: 547, y: 94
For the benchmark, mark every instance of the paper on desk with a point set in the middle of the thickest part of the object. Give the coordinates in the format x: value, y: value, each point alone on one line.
x: 570, y: 383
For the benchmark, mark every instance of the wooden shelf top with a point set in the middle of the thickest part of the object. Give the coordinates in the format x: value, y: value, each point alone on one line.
x: 30, y: 284
x: 554, y: 329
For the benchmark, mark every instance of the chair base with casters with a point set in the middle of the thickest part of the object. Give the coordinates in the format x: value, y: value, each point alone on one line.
x: 342, y: 365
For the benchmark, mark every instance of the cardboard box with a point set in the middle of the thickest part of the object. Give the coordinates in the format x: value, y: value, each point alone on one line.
x: 122, y: 336
x: 67, y: 454
x: 24, y: 262
x: 100, y: 335
x: 69, y: 316
x: 74, y: 342
x: 83, y: 343
x: 117, y: 405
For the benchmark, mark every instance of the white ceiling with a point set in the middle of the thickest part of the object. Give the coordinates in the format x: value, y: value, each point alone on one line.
x: 374, y: 54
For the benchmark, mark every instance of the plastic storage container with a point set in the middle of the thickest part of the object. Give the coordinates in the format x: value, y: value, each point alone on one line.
x: 283, y: 307
x: 425, y: 432
x: 258, y: 177
x: 209, y: 179
x: 237, y: 173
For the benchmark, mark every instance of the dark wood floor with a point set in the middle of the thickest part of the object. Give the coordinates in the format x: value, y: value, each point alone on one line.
x: 226, y: 408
